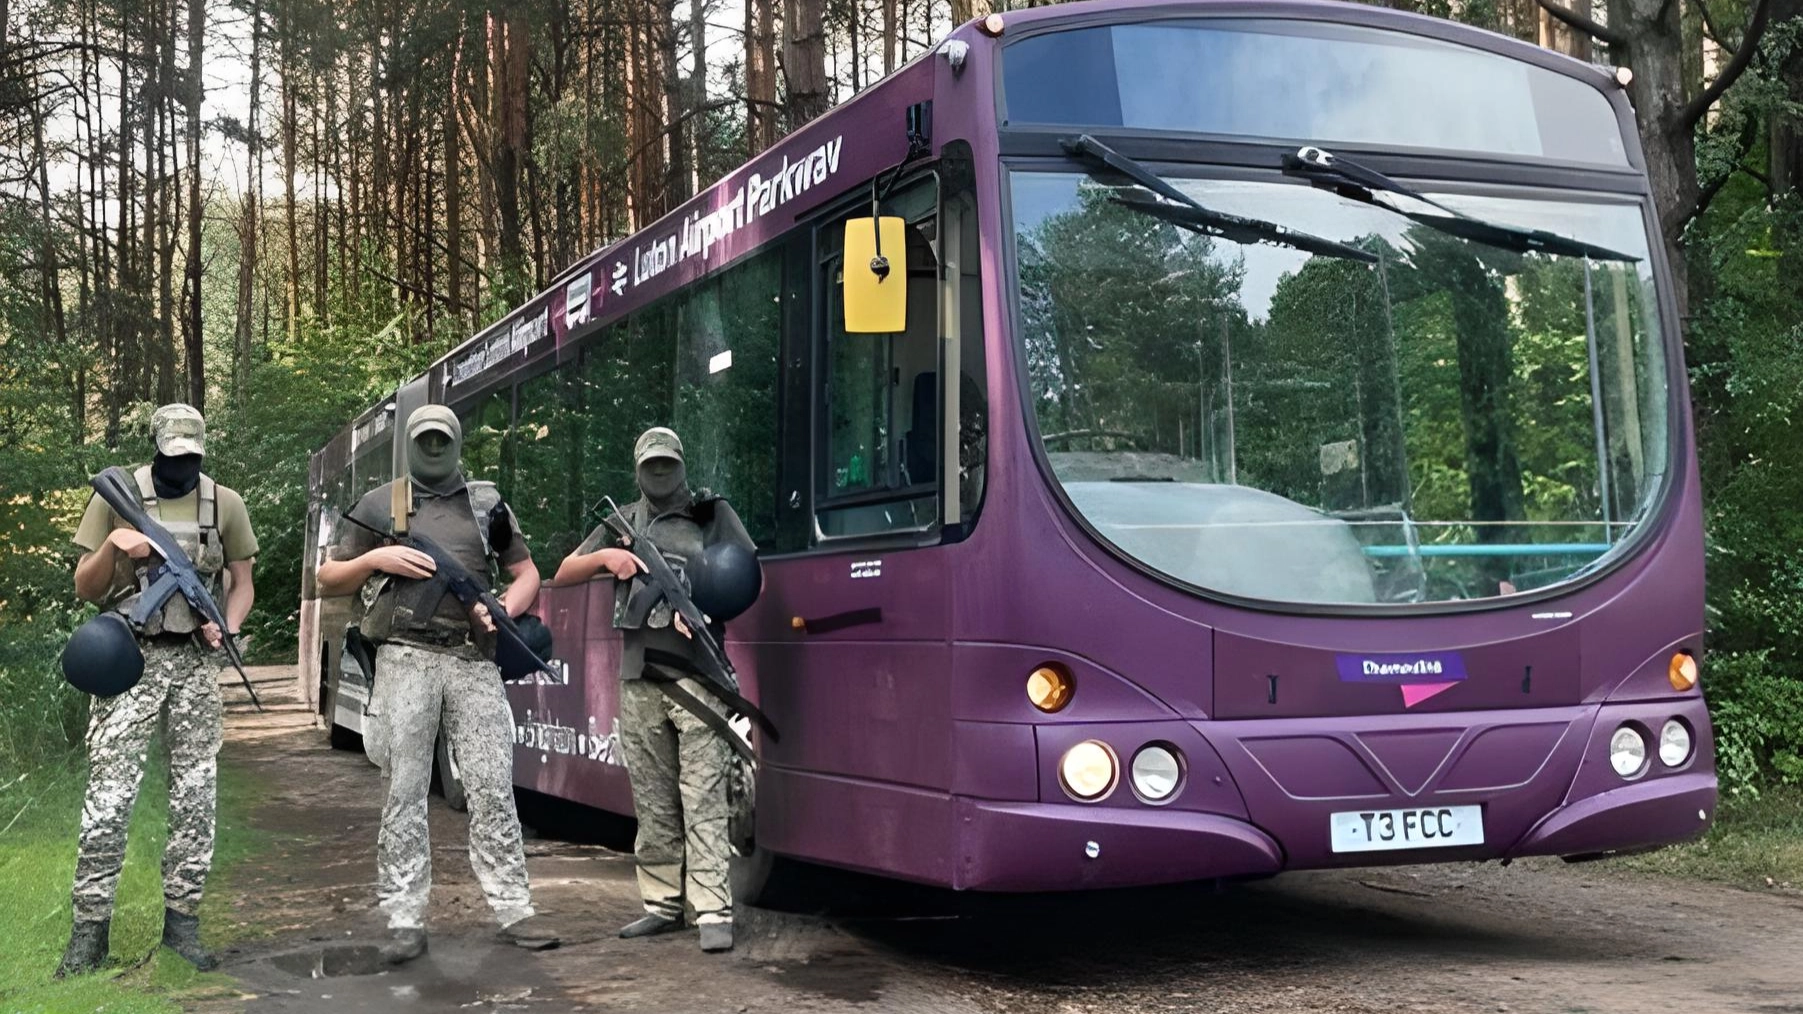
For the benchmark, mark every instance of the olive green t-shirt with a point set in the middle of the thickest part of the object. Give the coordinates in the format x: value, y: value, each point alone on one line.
x: 234, y: 521
x: 448, y: 520
x: 235, y: 535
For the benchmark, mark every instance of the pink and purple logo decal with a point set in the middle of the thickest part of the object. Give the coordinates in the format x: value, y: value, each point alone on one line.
x: 1419, y: 675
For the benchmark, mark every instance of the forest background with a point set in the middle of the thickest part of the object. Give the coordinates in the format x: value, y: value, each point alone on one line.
x: 277, y: 209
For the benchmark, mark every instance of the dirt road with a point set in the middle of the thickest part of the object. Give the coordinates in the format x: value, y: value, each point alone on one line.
x: 1537, y: 936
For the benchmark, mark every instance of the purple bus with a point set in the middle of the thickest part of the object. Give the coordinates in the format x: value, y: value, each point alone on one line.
x: 1278, y: 458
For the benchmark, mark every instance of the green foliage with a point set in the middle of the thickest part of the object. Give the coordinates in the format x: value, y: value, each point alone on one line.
x: 1746, y: 379
x: 40, y: 816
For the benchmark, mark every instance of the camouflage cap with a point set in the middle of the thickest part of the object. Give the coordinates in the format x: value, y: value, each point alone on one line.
x: 657, y: 442
x: 178, y: 429
x: 434, y: 417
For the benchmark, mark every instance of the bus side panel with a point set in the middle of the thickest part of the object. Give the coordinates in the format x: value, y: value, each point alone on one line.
x: 567, y: 735
x: 870, y: 699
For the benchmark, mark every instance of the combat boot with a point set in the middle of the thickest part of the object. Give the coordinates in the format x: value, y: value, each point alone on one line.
x: 87, y: 948
x: 717, y: 937
x: 408, y: 943
x: 181, y: 934
x: 650, y: 925
x: 533, y: 933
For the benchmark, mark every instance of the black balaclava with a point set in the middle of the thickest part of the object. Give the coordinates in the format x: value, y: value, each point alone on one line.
x: 175, y: 475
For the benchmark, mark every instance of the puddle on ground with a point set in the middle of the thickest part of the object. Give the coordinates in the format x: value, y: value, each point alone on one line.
x: 332, y: 961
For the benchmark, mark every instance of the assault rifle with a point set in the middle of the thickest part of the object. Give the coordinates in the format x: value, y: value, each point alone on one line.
x: 174, y: 576
x: 714, y: 671
x: 453, y: 578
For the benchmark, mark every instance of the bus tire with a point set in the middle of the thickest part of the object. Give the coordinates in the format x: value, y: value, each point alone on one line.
x: 342, y: 738
x: 767, y: 880
x: 445, y: 774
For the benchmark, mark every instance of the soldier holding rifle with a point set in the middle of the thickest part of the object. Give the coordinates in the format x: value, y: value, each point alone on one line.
x: 160, y: 670
x: 673, y: 725
x: 434, y: 664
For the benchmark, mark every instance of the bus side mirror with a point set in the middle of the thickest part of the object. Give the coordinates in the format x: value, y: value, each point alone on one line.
x: 876, y: 276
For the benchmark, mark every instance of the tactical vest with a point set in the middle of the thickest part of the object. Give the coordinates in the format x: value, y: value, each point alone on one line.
x: 200, y: 539
x: 394, y: 607
x: 680, y: 538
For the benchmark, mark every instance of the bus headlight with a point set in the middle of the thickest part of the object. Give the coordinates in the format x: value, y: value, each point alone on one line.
x: 1675, y: 743
x: 1088, y: 771
x: 1628, y: 752
x: 1156, y: 772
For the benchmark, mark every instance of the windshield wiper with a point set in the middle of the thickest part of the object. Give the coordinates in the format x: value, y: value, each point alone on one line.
x: 1361, y: 183
x: 1186, y: 213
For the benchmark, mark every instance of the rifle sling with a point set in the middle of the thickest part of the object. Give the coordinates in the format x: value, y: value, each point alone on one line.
x: 667, y: 683
x: 731, y: 698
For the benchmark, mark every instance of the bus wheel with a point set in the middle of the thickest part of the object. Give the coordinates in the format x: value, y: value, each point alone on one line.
x: 767, y: 880
x: 342, y: 738
x: 445, y: 773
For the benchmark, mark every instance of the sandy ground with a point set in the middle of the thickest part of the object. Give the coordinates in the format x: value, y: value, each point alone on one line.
x: 1538, y: 936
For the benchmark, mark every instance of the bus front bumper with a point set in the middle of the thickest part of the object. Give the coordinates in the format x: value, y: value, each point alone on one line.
x: 1069, y: 847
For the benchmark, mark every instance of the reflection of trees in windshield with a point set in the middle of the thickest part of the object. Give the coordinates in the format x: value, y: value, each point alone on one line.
x: 1441, y: 399
x: 1114, y: 303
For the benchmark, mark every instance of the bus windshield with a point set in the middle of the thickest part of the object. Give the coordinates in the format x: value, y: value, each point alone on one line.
x: 1452, y: 420
x: 1284, y: 80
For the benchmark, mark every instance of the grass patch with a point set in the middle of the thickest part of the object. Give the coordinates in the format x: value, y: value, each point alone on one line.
x: 1757, y: 844
x: 37, y: 866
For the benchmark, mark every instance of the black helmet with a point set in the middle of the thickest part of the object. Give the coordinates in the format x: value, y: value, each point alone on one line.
x: 727, y: 582
x: 103, y: 658
x: 514, y: 663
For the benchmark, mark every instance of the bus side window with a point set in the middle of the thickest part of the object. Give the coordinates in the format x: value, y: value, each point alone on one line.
x: 879, y: 438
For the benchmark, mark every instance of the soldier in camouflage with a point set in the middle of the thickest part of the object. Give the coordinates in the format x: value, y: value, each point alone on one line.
x: 179, y: 690
x: 433, y: 670
x: 680, y: 768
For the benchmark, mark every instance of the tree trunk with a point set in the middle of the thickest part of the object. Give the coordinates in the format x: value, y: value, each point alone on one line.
x: 454, y: 234
x: 889, y: 36
x: 1784, y: 151
x: 670, y: 137
x: 1560, y: 37
x: 197, y: 377
x: 292, y: 313
x: 50, y: 273
x: 761, y: 75
x: 321, y: 277
x: 167, y: 188
x: 698, y: 93
x: 1784, y: 154
x: 247, y: 223
x: 510, y: 55
x: 121, y: 333
x: 804, y: 60
x: 1653, y: 50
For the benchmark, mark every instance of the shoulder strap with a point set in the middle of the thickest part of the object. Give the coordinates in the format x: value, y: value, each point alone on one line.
x: 207, y: 511
x: 147, y: 490
x: 484, y: 498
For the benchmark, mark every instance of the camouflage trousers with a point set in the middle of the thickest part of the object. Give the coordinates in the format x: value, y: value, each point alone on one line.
x: 679, y: 769
x: 179, y: 692
x: 417, y: 689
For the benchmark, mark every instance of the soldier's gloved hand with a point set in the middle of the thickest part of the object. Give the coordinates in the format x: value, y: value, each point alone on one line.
x: 131, y: 543
x: 402, y: 561
x: 209, y: 632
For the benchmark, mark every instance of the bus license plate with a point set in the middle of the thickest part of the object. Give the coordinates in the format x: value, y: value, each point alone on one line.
x: 1381, y: 830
